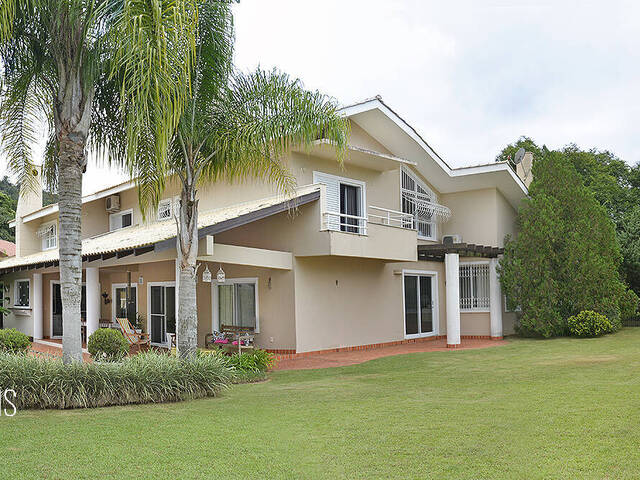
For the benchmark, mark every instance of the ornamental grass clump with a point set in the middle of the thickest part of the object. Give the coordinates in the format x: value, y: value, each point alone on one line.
x: 590, y: 324
x: 145, y: 378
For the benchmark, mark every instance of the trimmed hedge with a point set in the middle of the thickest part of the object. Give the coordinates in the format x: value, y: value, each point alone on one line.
x: 13, y: 341
x: 144, y: 378
x: 107, y: 344
x: 590, y: 324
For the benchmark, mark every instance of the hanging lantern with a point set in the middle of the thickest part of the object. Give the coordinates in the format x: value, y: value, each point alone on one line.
x: 220, y: 276
x: 206, y: 274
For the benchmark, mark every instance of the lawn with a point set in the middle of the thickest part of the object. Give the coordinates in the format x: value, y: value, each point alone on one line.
x: 562, y: 408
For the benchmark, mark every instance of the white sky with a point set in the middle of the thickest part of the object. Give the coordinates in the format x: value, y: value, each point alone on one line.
x: 470, y: 76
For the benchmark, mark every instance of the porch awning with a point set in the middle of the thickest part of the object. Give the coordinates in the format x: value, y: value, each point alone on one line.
x: 437, y: 251
x: 158, y: 236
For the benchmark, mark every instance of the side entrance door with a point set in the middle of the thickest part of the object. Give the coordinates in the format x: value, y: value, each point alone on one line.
x: 162, y: 299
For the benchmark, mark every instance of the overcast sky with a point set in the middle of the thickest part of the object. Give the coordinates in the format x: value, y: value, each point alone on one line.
x: 469, y: 76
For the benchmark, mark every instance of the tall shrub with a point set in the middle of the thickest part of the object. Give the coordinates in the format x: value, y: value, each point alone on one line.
x: 566, y: 257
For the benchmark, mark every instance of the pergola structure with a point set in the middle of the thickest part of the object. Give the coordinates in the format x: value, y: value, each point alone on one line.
x: 436, y: 252
x: 450, y: 254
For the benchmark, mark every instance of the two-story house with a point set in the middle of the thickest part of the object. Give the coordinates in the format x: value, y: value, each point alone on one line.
x: 394, y: 246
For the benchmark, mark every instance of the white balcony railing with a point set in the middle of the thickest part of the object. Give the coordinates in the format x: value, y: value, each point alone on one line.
x: 422, y: 220
x: 393, y: 218
x: 343, y: 222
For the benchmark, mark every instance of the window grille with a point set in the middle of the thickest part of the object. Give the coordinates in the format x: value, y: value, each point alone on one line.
x: 474, y: 286
x: 415, y: 193
x: 164, y: 210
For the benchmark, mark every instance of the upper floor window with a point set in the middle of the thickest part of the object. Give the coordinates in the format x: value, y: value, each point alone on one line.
x: 120, y: 220
x: 345, y: 207
x: 21, y: 293
x: 474, y: 286
x: 49, y: 234
x: 164, y: 209
x: 415, y: 195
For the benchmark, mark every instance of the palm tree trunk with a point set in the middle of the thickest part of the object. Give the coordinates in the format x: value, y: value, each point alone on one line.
x: 72, y: 156
x: 187, y: 249
x: 72, y: 115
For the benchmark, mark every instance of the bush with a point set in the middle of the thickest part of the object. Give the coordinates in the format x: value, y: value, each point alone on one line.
x: 629, y: 305
x: 590, y: 324
x: 13, y: 341
x: 248, y: 365
x: 107, y: 344
x: 144, y: 378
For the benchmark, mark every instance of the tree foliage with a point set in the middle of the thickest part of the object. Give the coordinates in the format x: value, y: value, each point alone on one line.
x: 566, y: 257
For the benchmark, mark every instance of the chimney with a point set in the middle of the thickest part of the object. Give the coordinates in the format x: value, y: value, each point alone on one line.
x: 29, y: 200
x: 523, y: 169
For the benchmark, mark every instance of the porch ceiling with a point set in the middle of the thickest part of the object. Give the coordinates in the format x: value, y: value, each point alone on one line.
x: 159, y: 236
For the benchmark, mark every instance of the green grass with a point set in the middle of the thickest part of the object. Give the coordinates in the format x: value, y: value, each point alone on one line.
x: 562, y: 408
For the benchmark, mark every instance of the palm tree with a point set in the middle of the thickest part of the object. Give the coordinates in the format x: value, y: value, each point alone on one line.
x: 90, y: 69
x: 234, y: 126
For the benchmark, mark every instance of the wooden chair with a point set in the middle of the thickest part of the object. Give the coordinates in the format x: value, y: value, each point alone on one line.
x: 135, y: 339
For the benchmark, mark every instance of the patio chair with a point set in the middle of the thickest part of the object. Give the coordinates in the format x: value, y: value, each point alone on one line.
x: 135, y: 339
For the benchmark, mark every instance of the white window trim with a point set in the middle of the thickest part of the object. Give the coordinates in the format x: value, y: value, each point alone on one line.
x: 113, y: 297
x: 215, y: 316
x: 120, y: 214
x: 363, y: 199
x: 423, y: 184
x: 15, y: 293
x: 156, y: 284
x: 477, y: 309
x: 434, y: 293
x: 44, y: 238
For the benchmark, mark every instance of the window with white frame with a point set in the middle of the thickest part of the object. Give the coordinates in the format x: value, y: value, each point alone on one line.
x: 21, y: 293
x: 120, y: 220
x: 165, y: 209
x: 345, y: 203
x: 236, y: 303
x: 49, y: 234
x: 474, y: 286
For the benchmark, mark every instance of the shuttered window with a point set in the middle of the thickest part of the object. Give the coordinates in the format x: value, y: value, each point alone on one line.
x: 474, y: 286
x: 345, y: 203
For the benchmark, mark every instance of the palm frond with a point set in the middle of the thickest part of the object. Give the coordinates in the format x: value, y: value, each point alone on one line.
x: 155, y: 56
x: 259, y: 119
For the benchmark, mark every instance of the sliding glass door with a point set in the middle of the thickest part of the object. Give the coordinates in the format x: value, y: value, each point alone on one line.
x: 162, y: 300
x: 419, y: 305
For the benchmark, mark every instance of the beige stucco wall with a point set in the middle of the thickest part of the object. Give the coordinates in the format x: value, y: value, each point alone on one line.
x: 20, y: 319
x: 480, y: 216
x: 343, y: 302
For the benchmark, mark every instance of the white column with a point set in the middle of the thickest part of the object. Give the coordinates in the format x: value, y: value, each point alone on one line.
x: 452, y: 291
x: 495, y: 306
x: 93, y: 299
x: 36, y: 286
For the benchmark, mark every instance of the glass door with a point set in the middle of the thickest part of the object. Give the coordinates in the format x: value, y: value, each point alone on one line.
x: 56, y: 312
x: 162, y: 313
x: 419, y: 305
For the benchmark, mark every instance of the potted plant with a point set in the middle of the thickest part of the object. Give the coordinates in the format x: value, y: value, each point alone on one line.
x: 139, y: 323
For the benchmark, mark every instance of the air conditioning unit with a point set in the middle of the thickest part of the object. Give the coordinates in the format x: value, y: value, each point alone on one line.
x: 112, y: 203
x: 450, y: 239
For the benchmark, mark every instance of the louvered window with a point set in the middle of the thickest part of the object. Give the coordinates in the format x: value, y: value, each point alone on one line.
x: 345, y: 203
x: 474, y: 286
